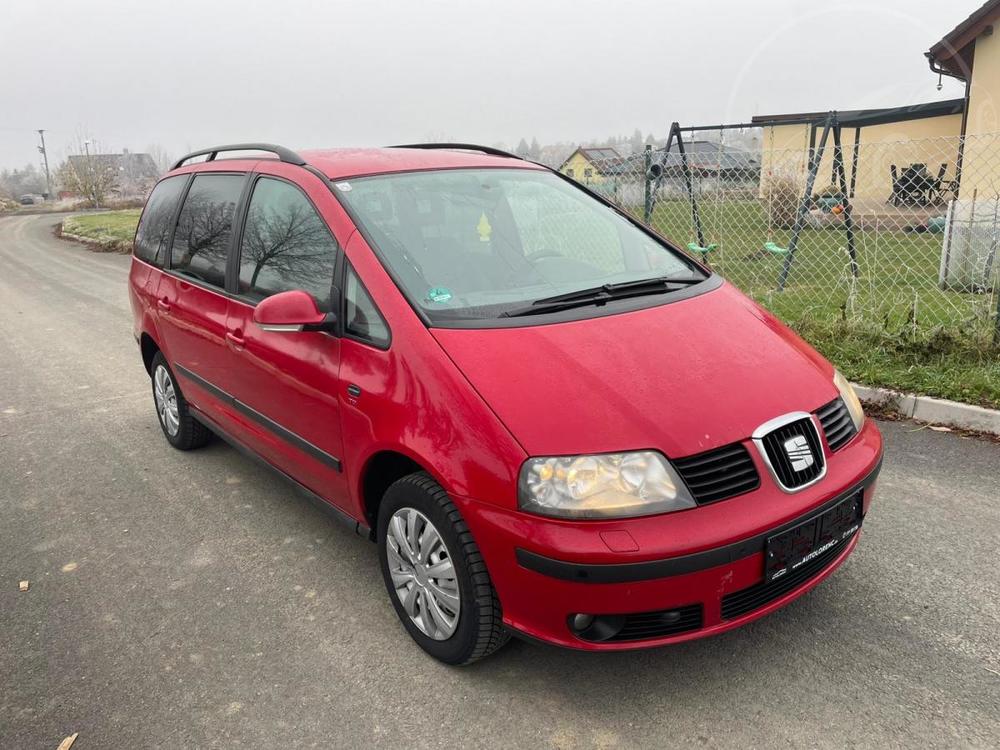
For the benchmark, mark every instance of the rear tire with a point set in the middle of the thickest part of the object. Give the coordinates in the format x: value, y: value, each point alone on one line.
x: 476, y: 629
x: 180, y: 428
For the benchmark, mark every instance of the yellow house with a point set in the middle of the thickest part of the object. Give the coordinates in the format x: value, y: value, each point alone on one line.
x: 887, y: 141
x: 592, y: 166
x: 971, y: 53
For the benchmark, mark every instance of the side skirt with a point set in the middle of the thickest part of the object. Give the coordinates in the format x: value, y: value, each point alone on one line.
x: 356, y: 526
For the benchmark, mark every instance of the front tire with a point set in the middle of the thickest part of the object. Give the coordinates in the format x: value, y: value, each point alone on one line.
x: 435, y: 574
x: 180, y: 428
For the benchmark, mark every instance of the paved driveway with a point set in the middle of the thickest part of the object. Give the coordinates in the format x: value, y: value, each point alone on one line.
x: 191, y: 600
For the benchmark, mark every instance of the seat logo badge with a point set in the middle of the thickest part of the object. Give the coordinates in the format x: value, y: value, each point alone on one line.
x: 799, y: 453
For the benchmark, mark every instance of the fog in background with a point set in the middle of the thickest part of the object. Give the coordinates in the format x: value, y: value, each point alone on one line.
x: 183, y: 74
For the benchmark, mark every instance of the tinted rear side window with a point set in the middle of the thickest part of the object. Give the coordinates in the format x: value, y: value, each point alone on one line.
x: 204, y: 227
x: 286, y: 245
x: 154, y: 227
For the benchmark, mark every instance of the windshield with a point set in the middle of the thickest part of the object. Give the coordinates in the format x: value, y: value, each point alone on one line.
x: 470, y: 244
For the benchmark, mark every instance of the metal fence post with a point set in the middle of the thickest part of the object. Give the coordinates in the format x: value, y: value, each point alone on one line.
x: 647, y: 203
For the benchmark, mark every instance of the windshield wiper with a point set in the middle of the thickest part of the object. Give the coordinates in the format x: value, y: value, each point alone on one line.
x: 599, y: 295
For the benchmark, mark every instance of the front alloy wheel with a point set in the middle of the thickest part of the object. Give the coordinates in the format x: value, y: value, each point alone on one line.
x: 423, y: 574
x: 434, y: 573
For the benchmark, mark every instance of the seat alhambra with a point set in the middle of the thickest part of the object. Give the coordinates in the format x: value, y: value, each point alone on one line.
x: 550, y: 420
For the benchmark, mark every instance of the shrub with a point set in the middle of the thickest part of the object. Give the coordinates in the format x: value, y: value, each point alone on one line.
x: 780, y: 200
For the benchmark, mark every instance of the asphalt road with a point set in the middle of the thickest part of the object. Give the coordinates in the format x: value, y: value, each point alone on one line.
x: 192, y: 600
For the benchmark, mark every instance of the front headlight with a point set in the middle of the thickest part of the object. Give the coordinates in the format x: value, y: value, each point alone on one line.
x: 851, y: 399
x: 610, y: 485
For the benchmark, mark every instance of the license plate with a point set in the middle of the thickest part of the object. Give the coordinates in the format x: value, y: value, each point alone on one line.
x: 791, y: 549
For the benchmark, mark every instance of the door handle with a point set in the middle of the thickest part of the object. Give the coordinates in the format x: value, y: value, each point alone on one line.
x: 234, y: 338
x: 163, y: 304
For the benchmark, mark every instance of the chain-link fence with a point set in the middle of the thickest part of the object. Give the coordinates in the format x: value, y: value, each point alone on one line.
x: 895, y: 234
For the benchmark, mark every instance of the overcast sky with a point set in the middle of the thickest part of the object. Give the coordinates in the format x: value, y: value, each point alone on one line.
x: 184, y: 74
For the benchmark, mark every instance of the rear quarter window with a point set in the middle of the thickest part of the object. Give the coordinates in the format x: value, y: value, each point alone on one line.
x: 154, y: 227
x: 201, y: 241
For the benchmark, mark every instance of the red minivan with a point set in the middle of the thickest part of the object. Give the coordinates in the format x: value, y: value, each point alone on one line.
x: 550, y: 420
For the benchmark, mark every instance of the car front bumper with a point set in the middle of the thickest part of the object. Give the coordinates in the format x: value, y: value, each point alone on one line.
x: 674, y: 577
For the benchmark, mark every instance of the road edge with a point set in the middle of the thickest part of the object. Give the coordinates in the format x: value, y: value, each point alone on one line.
x: 932, y: 410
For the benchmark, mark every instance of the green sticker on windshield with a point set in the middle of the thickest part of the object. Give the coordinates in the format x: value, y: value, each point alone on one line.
x: 439, y: 294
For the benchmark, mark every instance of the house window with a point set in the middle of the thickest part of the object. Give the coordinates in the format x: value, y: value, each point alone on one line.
x: 588, y: 173
x: 569, y: 172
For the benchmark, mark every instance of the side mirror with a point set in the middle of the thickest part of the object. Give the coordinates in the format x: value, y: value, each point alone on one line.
x: 290, y: 312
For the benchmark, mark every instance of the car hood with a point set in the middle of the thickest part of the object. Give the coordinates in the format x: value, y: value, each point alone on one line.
x: 681, y: 378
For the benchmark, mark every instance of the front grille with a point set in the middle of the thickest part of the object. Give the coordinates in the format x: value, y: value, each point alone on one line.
x: 756, y: 596
x: 837, y: 424
x: 794, y: 470
x: 643, y: 625
x: 718, y: 474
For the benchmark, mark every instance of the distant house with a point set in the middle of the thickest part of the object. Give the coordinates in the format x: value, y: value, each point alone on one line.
x: 135, y: 174
x: 706, y: 159
x: 593, y: 166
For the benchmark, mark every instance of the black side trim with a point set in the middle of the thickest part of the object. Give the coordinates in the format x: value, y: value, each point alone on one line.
x: 336, y: 513
x: 266, y: 422
x: 674, y: 566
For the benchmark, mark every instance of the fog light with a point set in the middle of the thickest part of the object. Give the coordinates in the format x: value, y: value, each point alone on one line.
x: 581, y: 622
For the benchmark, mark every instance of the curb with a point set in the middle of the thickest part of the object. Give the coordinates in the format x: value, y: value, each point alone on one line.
x: 933, y: 410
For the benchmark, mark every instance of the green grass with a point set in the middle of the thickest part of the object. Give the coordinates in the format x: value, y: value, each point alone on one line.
x: 958, y: 365
x: 898, y: 271
x: 105, y: 228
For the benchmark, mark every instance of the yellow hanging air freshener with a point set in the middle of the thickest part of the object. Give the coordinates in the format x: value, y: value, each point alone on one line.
x: 484, y: 228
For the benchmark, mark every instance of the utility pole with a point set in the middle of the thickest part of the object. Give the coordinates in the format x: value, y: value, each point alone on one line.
x: 45, y: 157
x: 93, y: 178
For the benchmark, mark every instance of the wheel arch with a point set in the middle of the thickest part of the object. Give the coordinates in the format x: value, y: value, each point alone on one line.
x: 149, y: 348
x: 379, y: 471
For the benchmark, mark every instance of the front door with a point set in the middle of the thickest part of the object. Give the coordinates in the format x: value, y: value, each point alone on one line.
x: 286, y: 383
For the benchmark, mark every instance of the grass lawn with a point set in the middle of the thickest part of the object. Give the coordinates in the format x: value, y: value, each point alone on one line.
x: 106, y: 227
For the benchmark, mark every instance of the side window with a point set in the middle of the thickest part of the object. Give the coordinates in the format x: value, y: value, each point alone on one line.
x: 361, y: 318
x: 286, y: 245
x: 155, y: 224
x: 201, y: 240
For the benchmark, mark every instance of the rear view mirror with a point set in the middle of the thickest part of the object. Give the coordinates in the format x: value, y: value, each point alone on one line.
x: 291, y: 312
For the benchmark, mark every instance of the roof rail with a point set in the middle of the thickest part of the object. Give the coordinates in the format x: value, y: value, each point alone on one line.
x: 286, y: 155
x: 462, y: 147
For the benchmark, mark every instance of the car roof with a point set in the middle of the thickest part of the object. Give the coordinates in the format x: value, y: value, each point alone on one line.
x: 354, y: 162
x: 343, y: 163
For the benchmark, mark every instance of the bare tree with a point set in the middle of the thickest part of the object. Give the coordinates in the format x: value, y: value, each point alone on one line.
x: 290, y: 242
x: 164, y: 161
x: 89, y: 173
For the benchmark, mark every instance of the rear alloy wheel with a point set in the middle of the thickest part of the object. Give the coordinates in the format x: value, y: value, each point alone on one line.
x: 181, y: 430
x: 435, y: 575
